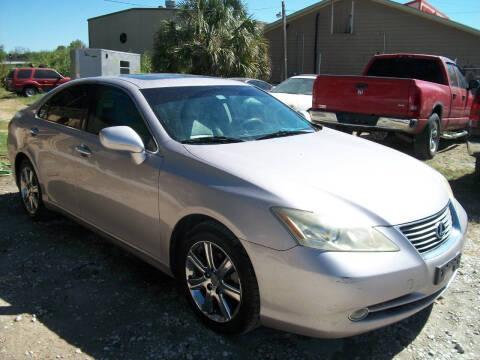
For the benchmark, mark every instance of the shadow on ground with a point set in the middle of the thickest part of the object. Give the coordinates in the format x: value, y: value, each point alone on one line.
x: 110, y: 305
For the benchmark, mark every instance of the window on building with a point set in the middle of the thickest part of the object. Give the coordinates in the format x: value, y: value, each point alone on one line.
x: 24, y: 74
x: 124, y: 67
x: 342, y: 17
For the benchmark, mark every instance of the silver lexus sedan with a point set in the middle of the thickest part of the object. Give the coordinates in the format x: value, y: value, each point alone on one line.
x: 262, y: 217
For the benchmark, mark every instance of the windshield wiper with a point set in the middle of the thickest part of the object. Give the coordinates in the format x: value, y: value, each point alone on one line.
x: 212, y: 140
x: 283, y: 133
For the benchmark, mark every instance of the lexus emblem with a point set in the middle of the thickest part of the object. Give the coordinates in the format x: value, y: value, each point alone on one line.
x: 360, y: 91
x: 440, y: 230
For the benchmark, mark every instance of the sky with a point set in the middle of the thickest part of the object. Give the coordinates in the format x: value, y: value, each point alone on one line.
x: 43, y: 25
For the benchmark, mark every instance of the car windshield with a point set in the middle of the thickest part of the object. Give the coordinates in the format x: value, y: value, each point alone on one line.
x: 302, y: 86
x: 223, y: 114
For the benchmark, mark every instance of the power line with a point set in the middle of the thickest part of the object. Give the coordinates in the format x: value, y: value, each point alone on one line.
x: 128, y: 3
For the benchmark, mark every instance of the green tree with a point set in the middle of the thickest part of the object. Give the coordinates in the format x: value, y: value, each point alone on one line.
x: 212, y: 37
x: 3, y: 54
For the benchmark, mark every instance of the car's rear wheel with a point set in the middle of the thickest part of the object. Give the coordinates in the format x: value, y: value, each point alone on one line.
x: 426, y: 143
x: 218, y: 280
x: 30, y: 91
x: 30, y: 191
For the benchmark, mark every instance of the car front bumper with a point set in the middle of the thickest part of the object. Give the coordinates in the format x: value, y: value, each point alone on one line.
x: 409, y: 126
x: 314, y: 293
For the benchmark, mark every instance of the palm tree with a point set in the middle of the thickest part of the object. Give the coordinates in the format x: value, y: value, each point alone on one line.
x: 212, y: 37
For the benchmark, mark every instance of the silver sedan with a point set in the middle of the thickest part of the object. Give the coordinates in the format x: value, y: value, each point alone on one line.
x: 262, y: 217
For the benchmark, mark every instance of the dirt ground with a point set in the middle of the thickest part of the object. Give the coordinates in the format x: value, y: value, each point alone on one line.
x: 66, y: 293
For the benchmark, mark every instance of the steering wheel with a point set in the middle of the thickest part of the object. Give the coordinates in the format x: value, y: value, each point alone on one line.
x: 252, y: 124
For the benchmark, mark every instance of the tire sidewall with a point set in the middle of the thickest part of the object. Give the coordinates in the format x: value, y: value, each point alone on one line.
x: 434, y: 120
x: 230, y: 246
x: 33, y: 89
x: 24, y: 164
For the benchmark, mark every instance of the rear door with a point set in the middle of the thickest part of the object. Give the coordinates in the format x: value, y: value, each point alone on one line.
x: 59, y: 123
x: 116, y: 195
x: 22, y: 77
x: 47, y: 79
x: 457, y: 105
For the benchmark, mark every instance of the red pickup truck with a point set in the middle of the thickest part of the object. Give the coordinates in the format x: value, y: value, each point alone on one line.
x: 419, y: 96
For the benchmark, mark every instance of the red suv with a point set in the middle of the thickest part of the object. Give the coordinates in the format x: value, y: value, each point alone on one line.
x: 30, y: 81
x: 473, y: 140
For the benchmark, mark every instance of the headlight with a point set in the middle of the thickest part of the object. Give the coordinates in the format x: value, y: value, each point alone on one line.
x: 315, y: 231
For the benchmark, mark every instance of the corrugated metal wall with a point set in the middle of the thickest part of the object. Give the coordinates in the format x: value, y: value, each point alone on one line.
x: 376, y: 28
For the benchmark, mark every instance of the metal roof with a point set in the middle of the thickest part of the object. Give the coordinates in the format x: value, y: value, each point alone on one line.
x: 132, y: 9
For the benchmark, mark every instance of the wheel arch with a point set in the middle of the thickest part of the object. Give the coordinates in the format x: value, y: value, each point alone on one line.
x: 182, y: 228
x: 438, y: 109
x: 16, y: 165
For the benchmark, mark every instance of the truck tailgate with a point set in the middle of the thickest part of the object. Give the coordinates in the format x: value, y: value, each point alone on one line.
x: 362, y: 95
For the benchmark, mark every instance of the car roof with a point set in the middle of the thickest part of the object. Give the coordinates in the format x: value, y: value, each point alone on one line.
x: 304, y: 76
x: 145, y: 81
x: 34, y: 68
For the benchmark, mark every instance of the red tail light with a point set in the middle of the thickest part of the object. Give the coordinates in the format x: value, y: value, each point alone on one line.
x: 414, y: 102
x: 475, y: 113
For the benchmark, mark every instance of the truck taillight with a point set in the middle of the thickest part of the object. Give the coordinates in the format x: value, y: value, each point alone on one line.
x: 414, y: 101
x: 475, y: 113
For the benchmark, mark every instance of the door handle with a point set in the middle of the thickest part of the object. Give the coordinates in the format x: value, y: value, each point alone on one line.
x: 33, y: 131
x: 454, y: 96
x: 83, y: 150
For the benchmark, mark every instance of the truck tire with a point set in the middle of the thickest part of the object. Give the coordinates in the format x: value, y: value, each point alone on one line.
x: 477, y: 170
x: 30, y: 91
x: 426, y: 143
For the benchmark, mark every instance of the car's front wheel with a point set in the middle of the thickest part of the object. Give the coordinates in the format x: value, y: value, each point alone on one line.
x: 218, y: 280
x: 30, y: 191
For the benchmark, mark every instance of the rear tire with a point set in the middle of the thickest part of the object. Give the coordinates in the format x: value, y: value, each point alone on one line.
x: 30, y: 91
x: 477, y: 170
x: 227, y: 301
x: 30, y: 191
x: 426, y: 143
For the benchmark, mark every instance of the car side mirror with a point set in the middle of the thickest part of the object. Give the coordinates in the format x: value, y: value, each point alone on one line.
x: 473, y: 84
x: 123, y: 138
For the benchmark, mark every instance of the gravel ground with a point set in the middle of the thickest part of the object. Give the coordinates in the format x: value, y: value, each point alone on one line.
x: 66, y: 293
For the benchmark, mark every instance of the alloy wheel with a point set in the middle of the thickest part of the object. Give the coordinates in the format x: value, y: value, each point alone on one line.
x: 29, y: 190
x: 213, y: 281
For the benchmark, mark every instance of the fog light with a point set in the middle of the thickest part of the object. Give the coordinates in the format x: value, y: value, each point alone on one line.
x: 358, y: 314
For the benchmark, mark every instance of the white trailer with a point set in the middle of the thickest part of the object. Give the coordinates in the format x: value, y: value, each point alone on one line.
x: 102, y: 62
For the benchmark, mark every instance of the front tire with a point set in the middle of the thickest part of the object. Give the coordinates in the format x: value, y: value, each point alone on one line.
x: 30, y: 191
x: 218, y: 280
x: 30, y: 91
x: 426, y: 143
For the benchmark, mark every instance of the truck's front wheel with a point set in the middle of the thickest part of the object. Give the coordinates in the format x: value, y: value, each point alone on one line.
x: 426, y: 143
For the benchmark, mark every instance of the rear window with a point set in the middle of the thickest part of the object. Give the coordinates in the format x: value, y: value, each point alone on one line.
x: 408, y: 68
x: 24, y: 74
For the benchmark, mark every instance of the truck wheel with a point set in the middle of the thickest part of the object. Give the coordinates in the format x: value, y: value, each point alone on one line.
x: 30, y: 91
x: 477, y: 170
x: 426, y: 143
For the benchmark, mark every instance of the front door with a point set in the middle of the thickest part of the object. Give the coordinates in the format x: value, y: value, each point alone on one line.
x: 47, y: 79
x: 115, y: 194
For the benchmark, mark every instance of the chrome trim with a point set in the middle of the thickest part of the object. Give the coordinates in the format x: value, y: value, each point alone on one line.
x: 423, y: 234
x: 383, y: 123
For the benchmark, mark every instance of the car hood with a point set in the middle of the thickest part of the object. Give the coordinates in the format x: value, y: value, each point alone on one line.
x: 295, y: 101
x: 334, y: 172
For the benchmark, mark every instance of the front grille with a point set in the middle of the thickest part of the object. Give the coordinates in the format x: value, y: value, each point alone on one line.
x: 425, y: 235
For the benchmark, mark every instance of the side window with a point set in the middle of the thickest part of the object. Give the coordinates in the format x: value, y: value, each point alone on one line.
x: 69, y: 107
x: 461, y: 78
x: 24, y: 74
x: 113, y: 107
x: 45, y: 74
x: 452, y: 74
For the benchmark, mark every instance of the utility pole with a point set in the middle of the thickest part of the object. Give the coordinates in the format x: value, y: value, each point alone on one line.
x: 284, y: 18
